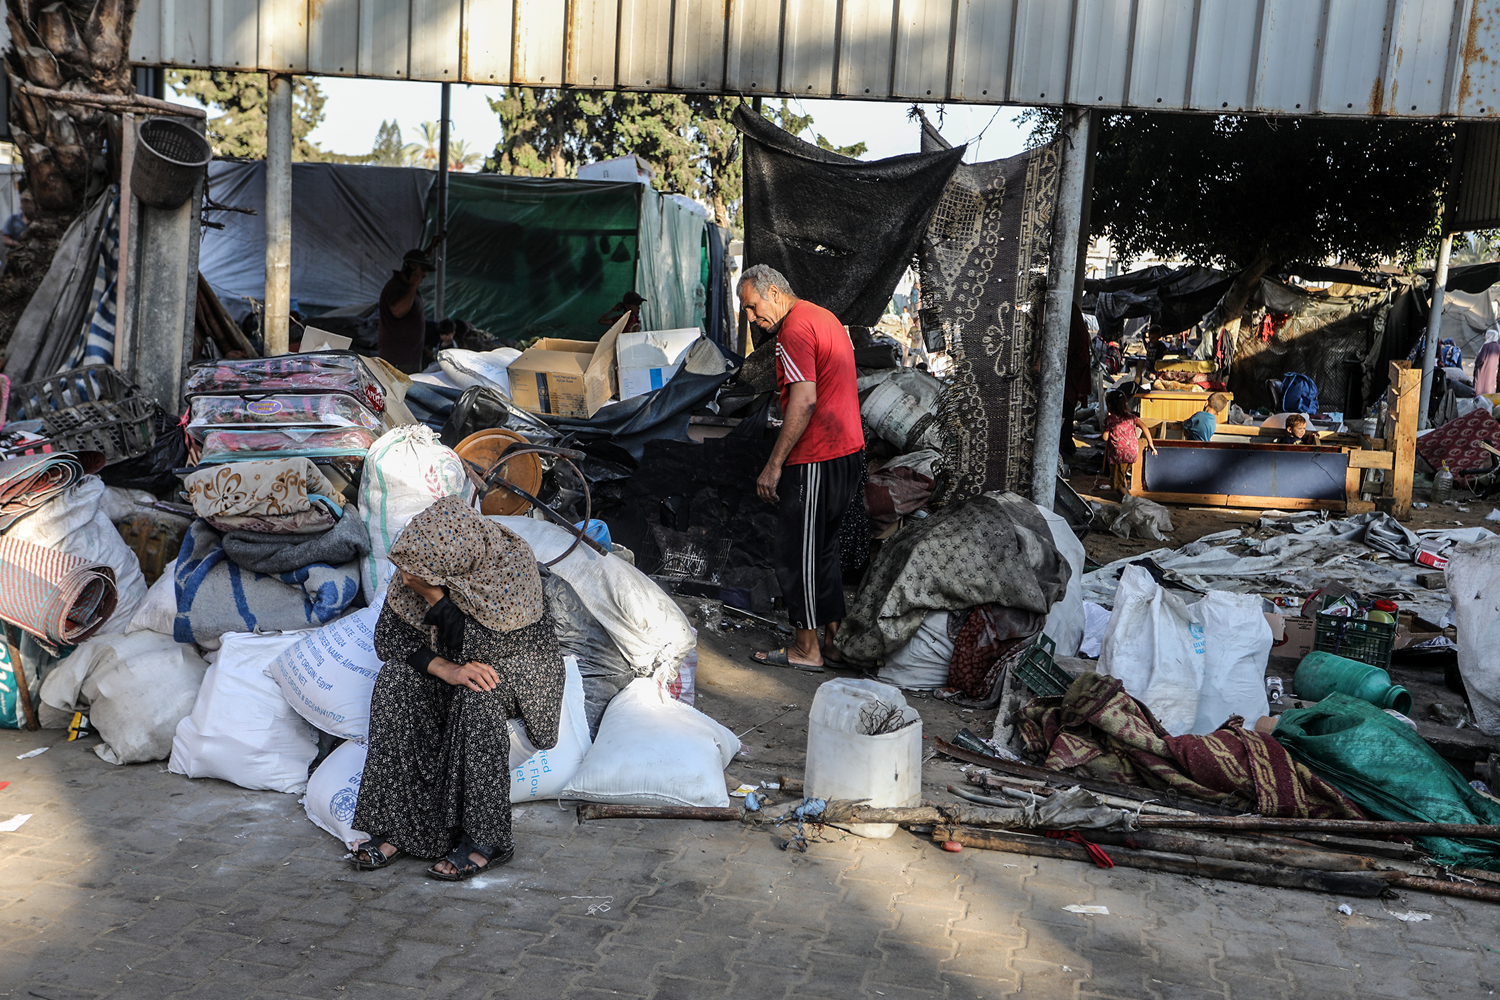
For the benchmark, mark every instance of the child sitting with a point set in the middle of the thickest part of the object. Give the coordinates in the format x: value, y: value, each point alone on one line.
x: 1201, y: 425
x: 1122, y: 432
x: 1297, y: 432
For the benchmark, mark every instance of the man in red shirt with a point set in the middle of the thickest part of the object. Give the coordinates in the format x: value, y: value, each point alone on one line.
x: 813, y: 471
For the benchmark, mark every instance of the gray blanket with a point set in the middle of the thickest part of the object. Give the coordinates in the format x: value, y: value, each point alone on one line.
x: 262, y: 552
x: 991, y: 549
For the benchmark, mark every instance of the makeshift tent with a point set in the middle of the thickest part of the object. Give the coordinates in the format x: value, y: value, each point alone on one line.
x: 540, y: 256
x: 1466, y: 317
x: 350, y: 226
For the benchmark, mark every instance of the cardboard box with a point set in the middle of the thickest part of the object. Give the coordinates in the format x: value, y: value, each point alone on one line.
x: 314, y: 339
x: 565, y: 378
x: 1427, y: 555
x: 1299, y: 638
x: 648, y: 359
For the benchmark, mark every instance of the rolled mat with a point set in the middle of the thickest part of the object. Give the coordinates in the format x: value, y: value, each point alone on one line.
x: 30, y: 481
x: 60, y: 599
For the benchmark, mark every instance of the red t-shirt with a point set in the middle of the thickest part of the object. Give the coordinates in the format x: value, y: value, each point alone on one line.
x: 812, y: 346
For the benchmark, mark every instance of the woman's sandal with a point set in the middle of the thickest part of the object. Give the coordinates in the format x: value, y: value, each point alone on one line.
x: 374, y: 858
x: 466, y: 868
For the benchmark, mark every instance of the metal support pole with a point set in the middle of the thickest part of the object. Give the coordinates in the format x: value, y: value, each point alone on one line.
x: 278, y: 213
x: 123, y: 315
x: 1058, y: 314
x: 1434, y: 327
x: 442, y: 204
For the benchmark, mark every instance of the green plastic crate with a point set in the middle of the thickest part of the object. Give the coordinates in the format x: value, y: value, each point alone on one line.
x: 1355, y: 639
x: 1038, y: 671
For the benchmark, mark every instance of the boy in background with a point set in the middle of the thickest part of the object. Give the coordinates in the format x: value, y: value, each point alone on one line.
x: 1201, y: 425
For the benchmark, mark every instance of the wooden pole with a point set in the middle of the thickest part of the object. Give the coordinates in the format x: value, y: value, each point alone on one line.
x: 1391, y: 827
x: 599, y: 810
x: 1403, y: 397
x: 23, y: 690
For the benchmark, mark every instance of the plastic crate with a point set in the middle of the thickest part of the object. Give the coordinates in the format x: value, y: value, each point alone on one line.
x: 1355, y: 639
x: 1038, y: 671
x: 121, y: 430
x: 92, y: 384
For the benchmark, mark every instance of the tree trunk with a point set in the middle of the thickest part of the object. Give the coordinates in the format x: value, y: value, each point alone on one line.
x: 1226, y: 315
x: 74, y: 45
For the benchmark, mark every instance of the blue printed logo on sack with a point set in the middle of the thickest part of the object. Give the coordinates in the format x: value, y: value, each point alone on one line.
x: 343, y: 803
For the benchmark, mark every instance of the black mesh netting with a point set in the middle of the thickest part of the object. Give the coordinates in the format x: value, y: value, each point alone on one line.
x: 841, y: 230
x: 983, y: 268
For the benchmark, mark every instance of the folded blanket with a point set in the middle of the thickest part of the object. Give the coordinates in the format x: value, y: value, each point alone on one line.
x: 30, y: 481
x: 264, y: 552
x: 214, y: 595
x: 278, y: 496
x: 60, y: 599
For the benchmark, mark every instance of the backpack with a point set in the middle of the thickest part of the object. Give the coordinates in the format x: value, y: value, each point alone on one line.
x: 1299, y: 394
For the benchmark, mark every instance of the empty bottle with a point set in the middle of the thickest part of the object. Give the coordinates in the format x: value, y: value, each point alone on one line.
x: 1442, y: 485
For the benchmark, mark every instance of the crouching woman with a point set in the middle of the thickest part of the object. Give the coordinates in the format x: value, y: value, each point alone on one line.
x: 467, y: 644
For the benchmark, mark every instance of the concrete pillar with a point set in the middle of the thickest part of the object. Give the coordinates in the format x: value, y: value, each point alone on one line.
x: 278, y: 213
x: 439, y: 312
x: 1058, y: 314
x: 1434, y: 328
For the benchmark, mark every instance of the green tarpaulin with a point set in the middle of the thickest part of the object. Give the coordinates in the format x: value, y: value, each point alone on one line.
x: 529, y: 256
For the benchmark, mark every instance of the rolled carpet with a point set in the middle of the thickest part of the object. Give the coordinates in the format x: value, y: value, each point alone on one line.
x: 60, y: 599
x: 30, y: 481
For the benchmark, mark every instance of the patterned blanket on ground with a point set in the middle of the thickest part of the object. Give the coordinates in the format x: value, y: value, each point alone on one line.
x: 215, y: 595
x: 1102, y: 732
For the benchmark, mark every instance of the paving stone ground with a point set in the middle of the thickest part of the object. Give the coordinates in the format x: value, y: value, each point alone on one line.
x: 135, y: 884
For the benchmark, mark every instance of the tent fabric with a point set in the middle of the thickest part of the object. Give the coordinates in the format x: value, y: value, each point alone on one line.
x: 718, y: 321
x: 96, y: 341
x: 1466, y: 317
x: 993, y: 225
x: 669, y: 276
x: 50, y: 325
x: 351, y: 224
x: 841, y: 230
x: 540, y: 256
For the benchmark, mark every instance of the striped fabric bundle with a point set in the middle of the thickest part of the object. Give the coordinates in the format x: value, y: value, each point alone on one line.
x: 30, y: 481
x: 60, y: 599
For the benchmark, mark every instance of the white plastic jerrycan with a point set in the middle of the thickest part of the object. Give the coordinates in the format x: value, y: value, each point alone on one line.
x: 844, y: 763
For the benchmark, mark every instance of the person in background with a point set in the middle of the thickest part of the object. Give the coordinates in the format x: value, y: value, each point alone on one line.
x: 14, y: 229
x: 1297, y: 432
x: 1201, y: 425
x: 1077, y: 380
x: 1487, y: 363
x: 1449, y: 355
x: 1122, y: 435
x: 630, y: 303
x: 403, y: 323
x: 816, y: 465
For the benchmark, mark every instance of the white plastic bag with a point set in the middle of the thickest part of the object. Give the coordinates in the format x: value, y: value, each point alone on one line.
x: 470, y: 368
x: 329, y: 675
x: 542, y: 774
x: 922, y: 664
x: 652, y: 632
x: 159, y: 610
x: 1146, y: 518
x: 1473, y: 575
x: 654, y: 750
x: 76, y: 523
x: 134, y: 688
x: 1095, y: 621
x: 1064, y: 624
x: 333, y: 792
x: 405, y: 472
x: 242, y: 730
x: 1193, y: 665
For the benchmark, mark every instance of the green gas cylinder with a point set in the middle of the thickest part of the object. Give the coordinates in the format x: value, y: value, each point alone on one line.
x: 1320, y: 674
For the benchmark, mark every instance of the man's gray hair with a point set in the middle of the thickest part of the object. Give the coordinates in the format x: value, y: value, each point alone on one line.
x: 763, y: 277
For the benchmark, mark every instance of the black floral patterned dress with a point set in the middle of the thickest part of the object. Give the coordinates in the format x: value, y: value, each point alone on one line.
x: 439, y: 760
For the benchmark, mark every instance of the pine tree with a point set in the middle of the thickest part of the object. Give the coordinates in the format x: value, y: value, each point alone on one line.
x: 388, y: 150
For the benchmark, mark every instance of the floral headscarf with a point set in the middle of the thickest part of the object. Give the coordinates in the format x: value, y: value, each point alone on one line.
x: 490, y: 573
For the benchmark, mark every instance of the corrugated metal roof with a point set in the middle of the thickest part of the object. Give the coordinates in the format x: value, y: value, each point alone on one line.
x: 1411, y: 58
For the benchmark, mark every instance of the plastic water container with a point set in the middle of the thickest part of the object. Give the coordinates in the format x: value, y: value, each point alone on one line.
x: 597, y: 530
x: 842, y: 763
x: 894, y: 415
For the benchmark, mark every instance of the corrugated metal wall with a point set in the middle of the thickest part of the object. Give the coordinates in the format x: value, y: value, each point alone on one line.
x: 1415, y: 58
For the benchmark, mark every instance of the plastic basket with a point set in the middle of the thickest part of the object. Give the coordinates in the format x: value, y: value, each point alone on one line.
x: 1038, y: 671
x: 92, y: 384
x: 121, y: 430
x: 1355, y: 639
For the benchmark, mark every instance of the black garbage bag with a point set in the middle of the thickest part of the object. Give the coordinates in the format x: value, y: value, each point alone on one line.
x: 152, y: 471
x: 604, y: 668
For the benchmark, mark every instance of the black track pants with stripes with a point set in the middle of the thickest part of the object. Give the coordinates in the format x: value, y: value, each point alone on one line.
x: 813, y: 499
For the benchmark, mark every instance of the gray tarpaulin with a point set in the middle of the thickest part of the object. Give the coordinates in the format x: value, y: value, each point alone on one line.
x: 350, y: 226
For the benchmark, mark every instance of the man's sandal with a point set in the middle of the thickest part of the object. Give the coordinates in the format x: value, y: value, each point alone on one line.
x: 779, y: 658
x: 465, y: 866
x: 374, y: 858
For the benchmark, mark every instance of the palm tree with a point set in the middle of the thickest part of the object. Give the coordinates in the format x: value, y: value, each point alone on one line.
x: 460, y: 156
x: 424, y: 152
